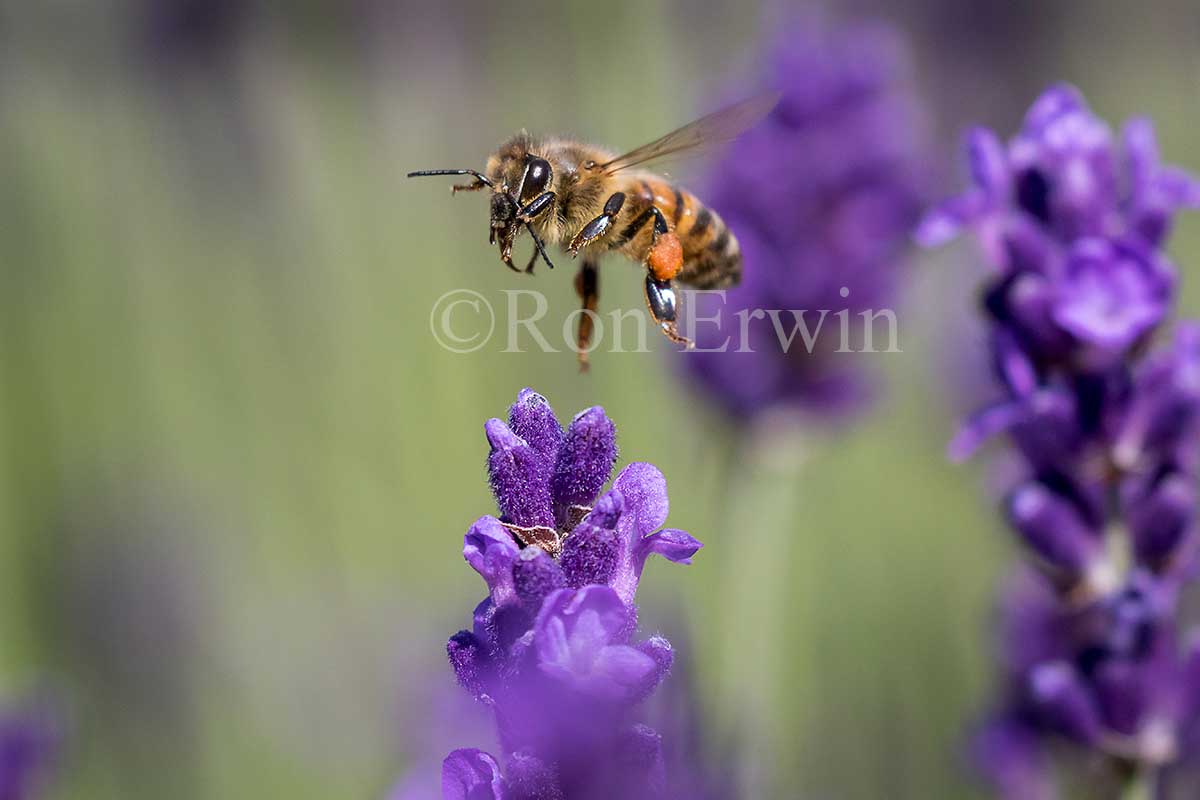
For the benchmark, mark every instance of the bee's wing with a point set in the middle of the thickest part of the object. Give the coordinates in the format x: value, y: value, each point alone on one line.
x: 715, y: 129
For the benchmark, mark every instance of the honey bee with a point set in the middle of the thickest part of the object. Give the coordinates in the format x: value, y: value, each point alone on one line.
x: 592, y: 202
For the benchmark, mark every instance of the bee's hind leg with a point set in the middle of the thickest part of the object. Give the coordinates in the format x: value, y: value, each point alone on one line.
x: 663, y: 262
x: 587, y: 286
x: 663, y: 306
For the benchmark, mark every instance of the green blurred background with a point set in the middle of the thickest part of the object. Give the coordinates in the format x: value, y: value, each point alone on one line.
x: 235, y: 467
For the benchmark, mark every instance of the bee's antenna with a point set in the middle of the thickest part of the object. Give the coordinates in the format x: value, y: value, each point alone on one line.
x: 477, y: 175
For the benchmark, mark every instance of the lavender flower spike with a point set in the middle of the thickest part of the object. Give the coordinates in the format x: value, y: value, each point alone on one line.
x: 29, y: 740
x: 1074, y: 220
x: 822, y: 195
x: 552, y: 650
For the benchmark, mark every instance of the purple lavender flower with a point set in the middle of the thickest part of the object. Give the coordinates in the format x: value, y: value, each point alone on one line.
x: 1062, y: 179
x: 29, y: 739
x: 552, y: 649
x: 699, y: 765
x: 1074, y: 224
x: 822, y: 196
x: 178, y: 33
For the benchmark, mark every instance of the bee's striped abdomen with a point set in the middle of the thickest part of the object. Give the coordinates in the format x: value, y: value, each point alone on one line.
x: 711, y: 256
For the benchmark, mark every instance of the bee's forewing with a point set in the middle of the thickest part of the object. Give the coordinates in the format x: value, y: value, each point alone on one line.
x: 717, y: 128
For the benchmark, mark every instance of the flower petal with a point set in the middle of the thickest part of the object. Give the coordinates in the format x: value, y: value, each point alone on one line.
x: 670, y: 543
x: 641, y: 750
x: 645, y: 493
x: 573, y: 627
x: 1109, y: 297
x: 612, y: 614
x: 554, y: 648
x: 532, y: 419
x: 520, y: 478
x: 1178, y: 188
x: 591, y: 554
x: 530, y: 778
x: 1012, y: 363
x: 660, y: 650
x: 535, y: 575
x: 989, y: 163
x: 1058, y: 100
x: 1054, y: 530
x: 947, y: 220
x: 1166, y: 403
x: 470, y: 661
x: 982, y: 426
x: 585, y: 461
x: 1028, y: 248
x: 625, y: 666
x: 1160, y: 521
x: 471, y: 774
x: 1141, y: 157
x: 1062, y: 698
x: 489, y: 548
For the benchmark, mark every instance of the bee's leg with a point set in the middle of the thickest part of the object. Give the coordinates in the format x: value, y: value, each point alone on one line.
x: 504, y: 239
x: 587, y: 286
x: 663, y: 262
x: 474, y: 186
x: 539, y: 249
x: 599, y: 226
x: 526, y: 214
x: 533, y: 257
x: 536, y: 206
x: 660, y: 299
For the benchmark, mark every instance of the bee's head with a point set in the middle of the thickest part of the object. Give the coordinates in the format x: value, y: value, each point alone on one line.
x: 514, y: 186
x: 517, y: 167
x: 516, y: 176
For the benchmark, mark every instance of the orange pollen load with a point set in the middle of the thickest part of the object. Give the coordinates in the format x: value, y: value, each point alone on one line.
x: 666, y: 257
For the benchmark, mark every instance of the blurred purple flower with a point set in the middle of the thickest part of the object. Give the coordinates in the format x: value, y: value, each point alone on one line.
x: 822, y: 196
x: 1074, y: 225
x: 578, y: 636
x: 179, y: 33
x: 551, y: 651
x: 1073, y: 222
x: 700, y: 764
x: 1067, y: 176
x: 29, y: 741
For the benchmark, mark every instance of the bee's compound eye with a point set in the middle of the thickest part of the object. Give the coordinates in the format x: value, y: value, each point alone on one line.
x: 537, y: 178
x: 589, y: 164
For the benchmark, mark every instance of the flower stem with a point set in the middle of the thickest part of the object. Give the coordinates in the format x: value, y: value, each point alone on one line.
x: 759, y: 519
